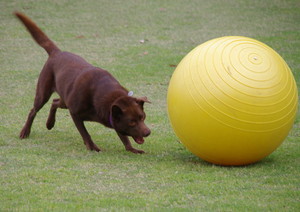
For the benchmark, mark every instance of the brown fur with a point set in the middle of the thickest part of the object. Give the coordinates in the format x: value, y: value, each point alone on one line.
x: 90, y: 94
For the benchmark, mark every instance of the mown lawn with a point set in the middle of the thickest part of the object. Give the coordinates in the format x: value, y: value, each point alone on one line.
x: 139, y: 42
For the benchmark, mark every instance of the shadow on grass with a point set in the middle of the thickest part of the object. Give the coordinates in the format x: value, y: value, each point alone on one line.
x: 187, y: 157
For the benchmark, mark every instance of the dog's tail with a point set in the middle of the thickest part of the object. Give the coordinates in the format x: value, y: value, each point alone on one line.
x: 39, y: 36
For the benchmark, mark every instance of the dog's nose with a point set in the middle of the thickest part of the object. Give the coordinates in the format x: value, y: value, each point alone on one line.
x: 147, y: 132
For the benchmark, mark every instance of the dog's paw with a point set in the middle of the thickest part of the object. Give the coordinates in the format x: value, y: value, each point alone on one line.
x: 93, y: 147
x: 97, y: 149
x: 24, y: 133
x: 135, y: 151
x: 50, y: 124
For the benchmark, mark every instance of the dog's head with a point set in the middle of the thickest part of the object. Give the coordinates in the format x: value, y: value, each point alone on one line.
x: 128, y: 117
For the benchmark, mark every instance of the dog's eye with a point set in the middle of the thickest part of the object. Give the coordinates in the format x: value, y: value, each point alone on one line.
x: 132, y: 123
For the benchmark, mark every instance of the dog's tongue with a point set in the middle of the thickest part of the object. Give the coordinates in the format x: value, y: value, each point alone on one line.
x: 139, y: 140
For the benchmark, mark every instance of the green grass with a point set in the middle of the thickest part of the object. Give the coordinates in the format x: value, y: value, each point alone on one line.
x: 52, y: 170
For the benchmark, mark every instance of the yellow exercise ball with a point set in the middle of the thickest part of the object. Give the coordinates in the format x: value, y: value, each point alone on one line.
x: 232, y: 100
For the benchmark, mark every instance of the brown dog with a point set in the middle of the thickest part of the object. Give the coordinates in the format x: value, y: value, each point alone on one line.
x: 90, y: 94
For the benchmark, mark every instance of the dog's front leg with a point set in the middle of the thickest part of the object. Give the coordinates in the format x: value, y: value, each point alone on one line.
x: 84, y: 133
x: 125, y: 140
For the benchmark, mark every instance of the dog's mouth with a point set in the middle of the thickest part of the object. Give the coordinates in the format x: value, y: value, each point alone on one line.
x: 138, y: 140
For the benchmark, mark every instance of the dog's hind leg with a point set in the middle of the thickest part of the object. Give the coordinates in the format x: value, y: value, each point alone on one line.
x: 57, y: 103
x: 43, y: 93
x: 38, y: 104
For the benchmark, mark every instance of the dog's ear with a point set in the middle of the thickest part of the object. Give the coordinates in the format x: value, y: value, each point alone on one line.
x: 116, y: 112
x: 142, y: 100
